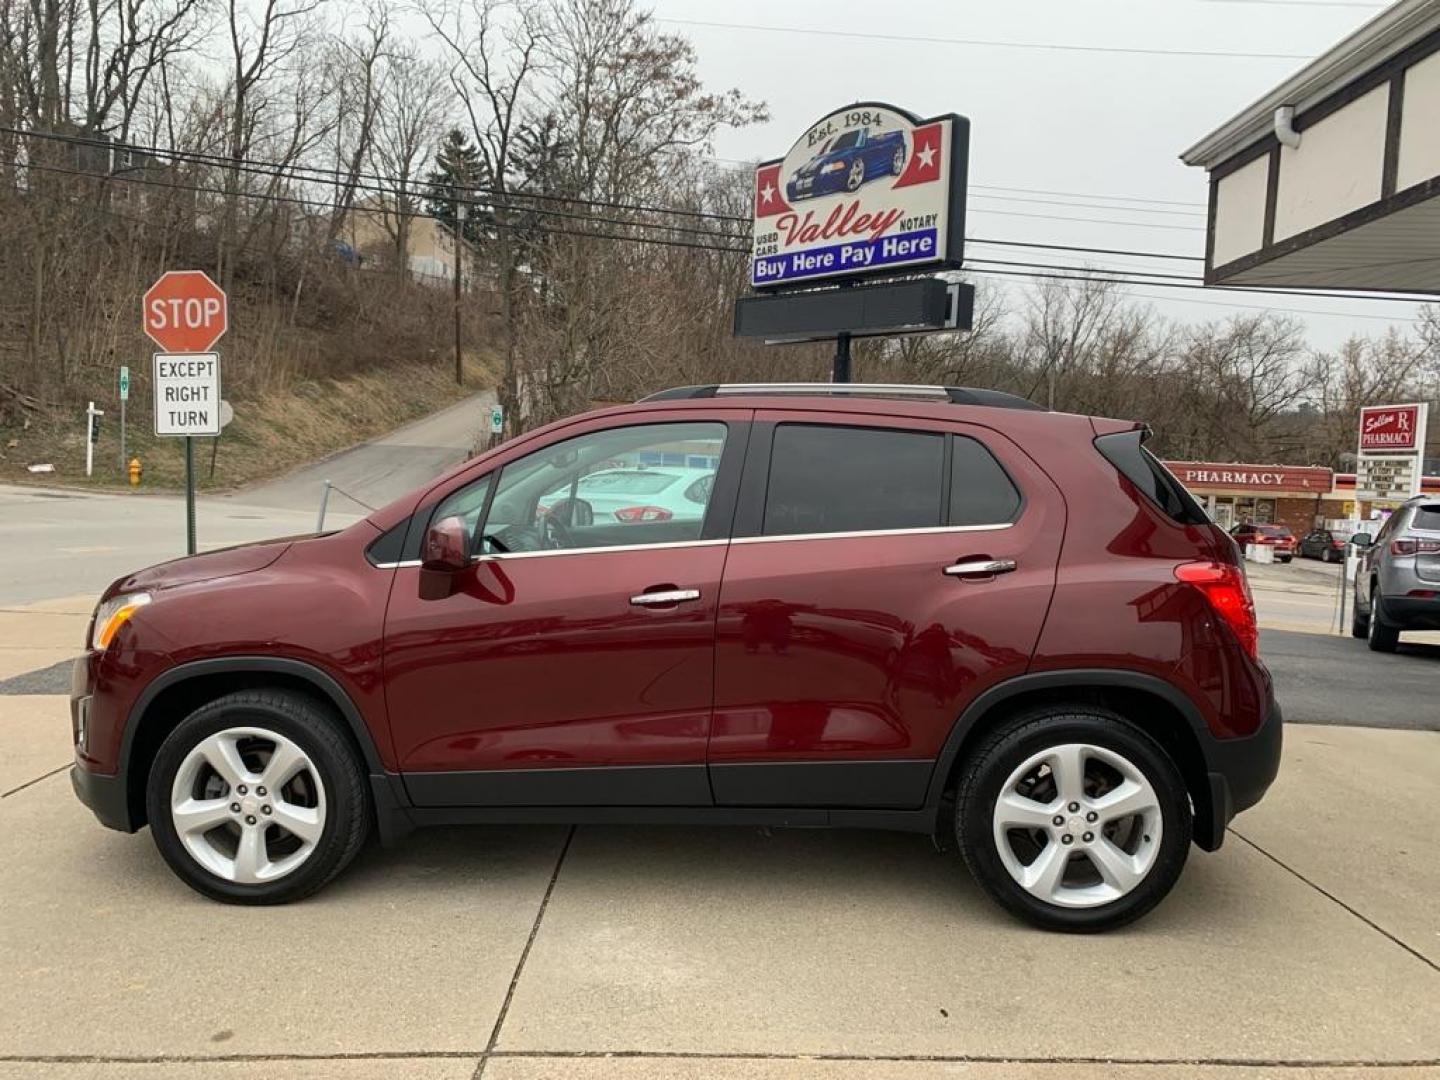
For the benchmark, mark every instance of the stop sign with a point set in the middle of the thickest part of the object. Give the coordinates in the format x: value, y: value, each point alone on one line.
x: 184, y: 312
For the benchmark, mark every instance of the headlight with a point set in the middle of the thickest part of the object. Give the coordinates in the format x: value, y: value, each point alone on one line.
x: 111, y: 615
x: 834, y: 166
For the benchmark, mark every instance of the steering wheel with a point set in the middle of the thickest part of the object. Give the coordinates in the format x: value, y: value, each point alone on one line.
x: 553, y: 533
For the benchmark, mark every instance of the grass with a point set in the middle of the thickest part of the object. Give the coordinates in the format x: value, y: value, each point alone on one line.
x: 270, y: 435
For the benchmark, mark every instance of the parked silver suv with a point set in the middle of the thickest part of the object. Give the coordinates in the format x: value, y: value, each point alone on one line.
x: 1397, y: 585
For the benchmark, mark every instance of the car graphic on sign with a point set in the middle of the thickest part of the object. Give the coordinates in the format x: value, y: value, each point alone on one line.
x: 847, y: 162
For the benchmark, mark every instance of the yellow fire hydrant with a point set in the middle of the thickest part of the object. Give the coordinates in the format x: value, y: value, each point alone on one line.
x: 134, y: 471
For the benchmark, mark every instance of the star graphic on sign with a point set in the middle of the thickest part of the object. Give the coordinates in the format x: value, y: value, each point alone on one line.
x: 926, y: 154
x: 767, y: 193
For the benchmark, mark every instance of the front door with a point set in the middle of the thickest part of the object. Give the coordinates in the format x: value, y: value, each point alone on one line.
x: 572, y: 664
x: 880, y: 577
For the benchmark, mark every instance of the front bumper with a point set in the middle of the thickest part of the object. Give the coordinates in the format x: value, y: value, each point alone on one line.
x: 105, y: 796
x: 1239, y: 772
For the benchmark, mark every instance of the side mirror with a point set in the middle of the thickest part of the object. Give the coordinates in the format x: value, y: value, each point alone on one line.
x: 1361, y: 540
x: 447, y: 546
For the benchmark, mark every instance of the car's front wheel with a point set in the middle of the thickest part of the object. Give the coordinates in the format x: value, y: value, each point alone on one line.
x: 1073, y: 818
x: 856, y: 176
x: 257, y: 798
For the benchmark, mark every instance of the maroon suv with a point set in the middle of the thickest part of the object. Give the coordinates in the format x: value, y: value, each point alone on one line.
x: 935, y: 610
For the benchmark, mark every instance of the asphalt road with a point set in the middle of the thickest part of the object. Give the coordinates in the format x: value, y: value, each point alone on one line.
x: 381, y: 470
x: 1326, y: 679
x: 65, y: 542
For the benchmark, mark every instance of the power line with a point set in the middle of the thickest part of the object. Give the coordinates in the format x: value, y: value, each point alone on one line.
x: 1092, y: 221
x: 363, y: 181
x: 1090, y: 279
x: 1088, y: 195
x: 1052, y: 46
x: 1096, y: 251
x: 1088, y: 206
x: 1085, y: 275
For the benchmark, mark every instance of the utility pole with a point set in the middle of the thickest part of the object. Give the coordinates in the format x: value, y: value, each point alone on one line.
x: 460, y: 215
x: 841, y: 371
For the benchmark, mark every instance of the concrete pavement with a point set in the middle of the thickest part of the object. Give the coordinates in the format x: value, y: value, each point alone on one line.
x: 1310, y: 940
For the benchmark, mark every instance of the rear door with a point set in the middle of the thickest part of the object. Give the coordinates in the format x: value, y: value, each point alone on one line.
x: 883, y: 573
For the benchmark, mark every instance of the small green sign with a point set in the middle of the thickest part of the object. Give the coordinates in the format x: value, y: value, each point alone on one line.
x: 124, y: 383
x: 497, y: 420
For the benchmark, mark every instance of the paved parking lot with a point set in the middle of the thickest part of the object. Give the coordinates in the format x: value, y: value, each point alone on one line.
x: 1309, y: 946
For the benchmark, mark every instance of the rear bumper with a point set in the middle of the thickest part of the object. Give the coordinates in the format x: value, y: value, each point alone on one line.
x: 1413, y: 612
x: 1239, y: 772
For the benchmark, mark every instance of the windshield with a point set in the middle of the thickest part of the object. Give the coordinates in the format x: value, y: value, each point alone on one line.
x: 1272, y: 530
x: 844, y: 142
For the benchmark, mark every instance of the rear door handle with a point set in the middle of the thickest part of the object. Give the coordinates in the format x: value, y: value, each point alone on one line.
x: 669, y: 596
x: 980, y: 567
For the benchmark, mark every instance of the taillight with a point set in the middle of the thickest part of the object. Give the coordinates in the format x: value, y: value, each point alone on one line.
x: 1228, y: 592
x: 1414, y: 547
x: 643, y: 513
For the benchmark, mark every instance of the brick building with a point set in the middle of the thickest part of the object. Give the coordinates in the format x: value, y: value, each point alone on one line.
x: 1298, y: 497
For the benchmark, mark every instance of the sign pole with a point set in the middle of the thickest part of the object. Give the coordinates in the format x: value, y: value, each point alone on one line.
x: 189, y: 495
x: 841, y: 370
x: 90, y: 415
x: 124, y: 396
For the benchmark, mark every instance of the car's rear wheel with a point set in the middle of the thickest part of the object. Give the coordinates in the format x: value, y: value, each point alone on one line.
x: 1383, y: 636
x: 897, y: 162
x: 257, y: 798
x: 1073, y: 818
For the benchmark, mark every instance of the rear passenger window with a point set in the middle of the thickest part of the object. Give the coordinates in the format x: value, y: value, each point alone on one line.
x: 980, y: 491
x: 1427, y: 517
x: 826, y: 479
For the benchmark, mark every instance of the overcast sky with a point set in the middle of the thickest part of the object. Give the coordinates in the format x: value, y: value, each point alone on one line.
x: 1104, y: 128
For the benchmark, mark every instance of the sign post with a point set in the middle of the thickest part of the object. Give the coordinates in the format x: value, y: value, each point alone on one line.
x: 124, y: 397
x: 185, y: 313
x: 92, y: 435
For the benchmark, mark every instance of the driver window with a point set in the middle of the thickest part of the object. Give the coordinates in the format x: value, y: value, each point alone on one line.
x: 645, y: 484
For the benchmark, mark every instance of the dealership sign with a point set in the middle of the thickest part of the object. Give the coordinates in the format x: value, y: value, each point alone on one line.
x: 1391, y: 448
x: 1212, y: 477
x: 868, y: 189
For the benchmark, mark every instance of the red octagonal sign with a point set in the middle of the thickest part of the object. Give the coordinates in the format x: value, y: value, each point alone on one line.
x: 185, y: 312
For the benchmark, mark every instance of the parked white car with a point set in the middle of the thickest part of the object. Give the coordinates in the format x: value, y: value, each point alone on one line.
x: 641, y: 493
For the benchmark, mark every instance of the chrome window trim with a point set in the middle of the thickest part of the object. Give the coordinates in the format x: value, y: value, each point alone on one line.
x: 922, y: 531
x: 498, y: 556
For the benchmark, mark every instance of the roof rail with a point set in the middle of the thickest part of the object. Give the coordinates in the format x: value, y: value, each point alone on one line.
x: 956, y: 395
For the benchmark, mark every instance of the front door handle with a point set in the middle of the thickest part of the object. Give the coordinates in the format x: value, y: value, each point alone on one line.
x: 980, y: 567
x: 668, y: 596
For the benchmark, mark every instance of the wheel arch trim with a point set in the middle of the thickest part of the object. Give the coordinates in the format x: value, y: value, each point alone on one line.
x: 1060, y: 679
x: 325, y: 683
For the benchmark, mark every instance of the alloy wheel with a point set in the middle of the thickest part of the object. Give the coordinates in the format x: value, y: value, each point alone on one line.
x: 857, y: 175
x: 248, y: 805
x: 1077, y: 825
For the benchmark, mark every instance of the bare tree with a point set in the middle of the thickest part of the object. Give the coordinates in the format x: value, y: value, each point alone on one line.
x: 415, y: 93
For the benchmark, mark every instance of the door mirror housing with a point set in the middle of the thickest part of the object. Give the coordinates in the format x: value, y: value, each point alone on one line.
x: 447, y: 546
x: 1361, y: 540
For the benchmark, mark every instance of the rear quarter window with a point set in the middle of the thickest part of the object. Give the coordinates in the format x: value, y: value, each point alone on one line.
x: 1123, y: 450
x: 1427, y: 517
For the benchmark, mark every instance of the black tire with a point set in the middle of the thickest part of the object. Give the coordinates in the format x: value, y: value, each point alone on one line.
x: 1383, y: 636
x: 1330, y: 556
x: 1359, y: 624
x: 1283, y: 559
x: 317, y: 732
x: 989, y: 765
